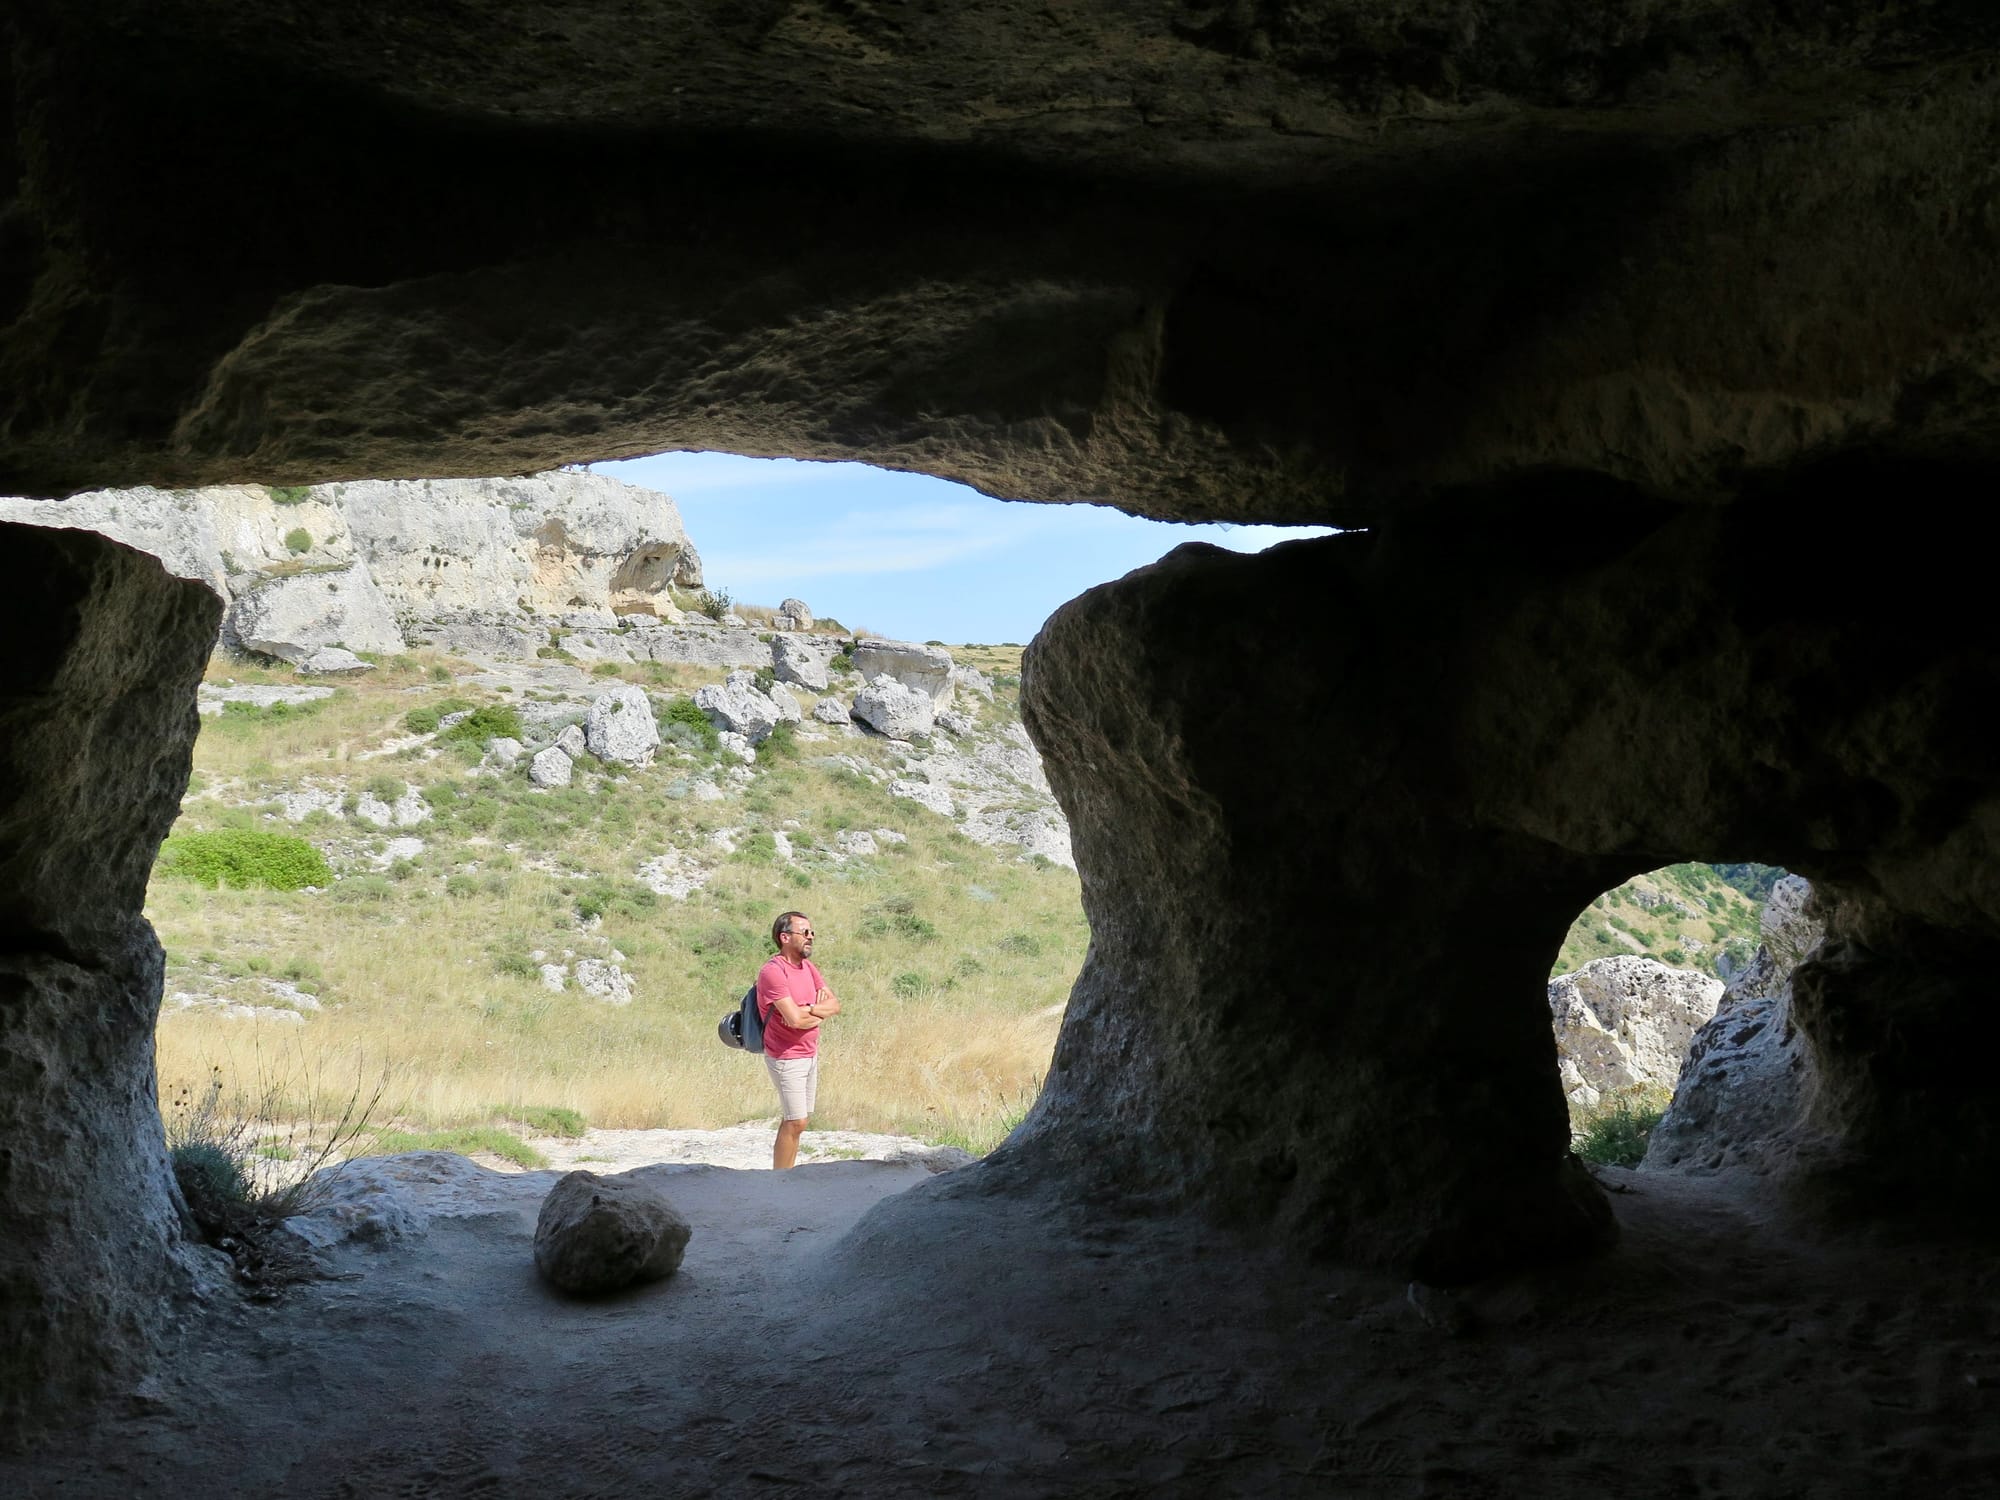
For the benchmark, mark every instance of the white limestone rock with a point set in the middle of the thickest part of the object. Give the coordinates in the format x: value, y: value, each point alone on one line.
x: 296, y: 807
x: 925, y: 794
x: 788, y: 708
x: 794, y: 615
x: 293, y: 618
x: 955, y: 724
x: 600, y: 1234
x: 832, y: 711
x: 335, y: 661
x: 570, y: 741
x: 922, y: 669
x: 973, y: 680
x: 855, y: 843
x: 398, y: 849
x: 796, y: 659
x: 731, y: 743
x: 551, y: 767
x: 699, y: 645
x: 210, y: 697
x: 603, y: 980
x: 739, y: 708
x: 504, y: 752
x: 889, y: 707
x: 555, y: 977
x: 1743, y: 1085
x: 1626, y: 1020
x: 620, y: 727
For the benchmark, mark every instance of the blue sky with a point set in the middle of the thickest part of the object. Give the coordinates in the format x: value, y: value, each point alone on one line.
x: 905, y: 555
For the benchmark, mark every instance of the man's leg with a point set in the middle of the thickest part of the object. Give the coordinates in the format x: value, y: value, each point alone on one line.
x: 785, y: 1149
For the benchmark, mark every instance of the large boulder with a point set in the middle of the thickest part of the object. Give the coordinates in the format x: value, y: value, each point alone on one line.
x: 551, y: 767
x: 923, y: 669
x: 295, y: 618
x: 740, y: 708
x: 620, y: 727
x: 794, y: 615
x: 602, y: 1234
x: 1625, y: 1021
x: 799, y: 660
x: 888, y: 707
x: 1742, y: 1087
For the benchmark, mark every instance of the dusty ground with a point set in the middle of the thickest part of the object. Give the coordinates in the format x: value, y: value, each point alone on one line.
x: 869, y: 1328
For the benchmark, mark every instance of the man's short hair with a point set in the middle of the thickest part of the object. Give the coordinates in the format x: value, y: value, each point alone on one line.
x: 782, y: 926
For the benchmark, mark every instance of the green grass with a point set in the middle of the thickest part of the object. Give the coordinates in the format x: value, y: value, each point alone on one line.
x: 465, y: 1140
x: 1614, y: 1133
x: 1688, y: 916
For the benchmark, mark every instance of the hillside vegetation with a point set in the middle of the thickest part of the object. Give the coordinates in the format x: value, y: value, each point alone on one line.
x: 462, y: 950
x: 1688, y: 916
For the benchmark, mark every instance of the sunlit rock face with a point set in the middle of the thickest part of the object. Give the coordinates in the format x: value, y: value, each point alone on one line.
x: 1315, y: 995
x: 97, y: 722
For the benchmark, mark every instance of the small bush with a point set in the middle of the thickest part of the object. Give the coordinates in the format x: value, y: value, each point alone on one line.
x: 765, y: 678
x: 386, y: 788
x: 424, y: 720
x: 298, y: 540
x: 842, y: 660
x: 493, y: 721
x: 1025, y: 944
x: 715, y: 603
x: 1615, y: 1132
x: 782, y: 743
x: 909, y: 985
x: 460, y: 885
x: 605, y: 669
x: 550, y: 1120
x: 682, y: 713
x: 517, y: 965
x: 288, y: 494
x: 241, y: 858
x: 487, y: 1138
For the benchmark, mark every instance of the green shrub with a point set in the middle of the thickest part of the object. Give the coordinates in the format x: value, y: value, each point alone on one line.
x: 605, y: 669
x: 460, y: 885
x: 909, y: 985
x: 516, y: 964
x: 1615, y: 1132
x: 288, y: 494
x: 1025, y: 944
x: 714, y: 603
x: 842, y: 660
x: 244, y: 857
x: 684, y: 713
x: 782, y: 743
x: 492, y: 721
x: 386, y: 788
x: 207, y: 1174
x: 298, y: 540
x: 487, y: 1138
x: 765, y: 678
x: 246, y: 715
x: 424, y: 720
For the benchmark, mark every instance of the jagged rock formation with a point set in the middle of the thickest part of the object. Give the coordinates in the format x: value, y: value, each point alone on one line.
x: 1625, y: 1021
x: 1742, y: 1089
x: 1617, y: 326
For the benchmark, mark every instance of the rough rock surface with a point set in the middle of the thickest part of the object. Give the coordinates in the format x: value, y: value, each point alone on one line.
x: 1626, y: 1020
x: 97, y: 724
x: 832, y: 711
x: 1742, y: 1089
x: 801, y: 661
x: 739, y: 708
x: 551, y: 767
x: 294, y: 618
x: 601, y: 1234
x: 620, y: 727
x: 793, y: 614
x: 922, y: 669
x: 888, y: 707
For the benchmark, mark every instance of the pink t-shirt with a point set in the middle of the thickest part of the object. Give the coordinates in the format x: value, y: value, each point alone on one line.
x: 802, y: 984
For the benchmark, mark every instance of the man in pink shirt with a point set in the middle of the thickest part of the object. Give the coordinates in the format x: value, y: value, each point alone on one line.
x: 792, y: 999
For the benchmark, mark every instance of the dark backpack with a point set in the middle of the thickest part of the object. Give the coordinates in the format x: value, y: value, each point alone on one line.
x: 743, y: 1027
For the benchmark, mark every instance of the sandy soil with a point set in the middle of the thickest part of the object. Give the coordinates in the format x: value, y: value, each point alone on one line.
x: 872, y: 1328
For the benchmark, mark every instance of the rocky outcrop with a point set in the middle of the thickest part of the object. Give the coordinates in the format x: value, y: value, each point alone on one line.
x: 921, y: 669
x: 888, y: 707
x: 802, y: 661
x: 97, y: 724
x: 295, y: 618
x: 739, y: 708
x: 1742, y: 1089
x: 620, y: 727
x: 602, y: 1234
x: 1626, y: 1021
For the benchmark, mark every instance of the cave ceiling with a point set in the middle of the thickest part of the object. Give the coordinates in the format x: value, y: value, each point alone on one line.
x: 1241, y: 261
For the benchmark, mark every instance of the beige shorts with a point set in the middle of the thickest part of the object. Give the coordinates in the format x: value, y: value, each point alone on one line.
x: 797, y: 1079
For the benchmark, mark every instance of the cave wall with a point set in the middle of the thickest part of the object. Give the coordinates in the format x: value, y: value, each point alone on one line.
x: 1329, y: 853
x: 97, y: 726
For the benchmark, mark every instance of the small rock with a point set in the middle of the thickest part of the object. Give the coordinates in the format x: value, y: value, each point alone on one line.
x: 555, y: 978
x: 551, y: 767
x: 330, y: 661
x: 570, y: 741
x: 600, y: 1234
x: 832, y: 711
x: 604, y: 981
x: 504, y: 752
x: 620, y: 727
x: 954, y: 723
x: 739, y: 708
x: 735, y: 744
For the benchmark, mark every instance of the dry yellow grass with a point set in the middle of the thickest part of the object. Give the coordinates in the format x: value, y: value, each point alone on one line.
x: 953, y: 960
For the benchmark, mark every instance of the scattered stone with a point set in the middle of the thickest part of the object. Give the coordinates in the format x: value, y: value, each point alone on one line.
x: 974, y: 680
x: 855, y: 843
x: 555, y: 977
x: 600, y: 1234
x: 570, y: 741
x: 674, y: 875
x: 925, y: 794
x: 620, y: 727
x: 801, y: 661
x: 955, y: 724
x: 551, y: 767
x: 832, y: 711
x: 730, y: 743
x: 604, y: 981
x: 504, y: 752
x: 398, y: 849
x: 782, y: 843
x: 407, y: 811
x: 296, y: 807
x: 793, y: 615
x: 891, y: 708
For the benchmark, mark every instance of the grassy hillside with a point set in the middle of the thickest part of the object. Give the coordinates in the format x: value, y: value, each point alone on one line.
x: 954, y: 960
x: 1688, y: 916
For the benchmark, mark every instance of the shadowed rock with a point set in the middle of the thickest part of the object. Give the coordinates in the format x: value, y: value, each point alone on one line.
x: 602, y: 1234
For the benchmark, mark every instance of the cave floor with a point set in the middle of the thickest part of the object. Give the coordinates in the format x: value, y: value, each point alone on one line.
x: 864, y: 1328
